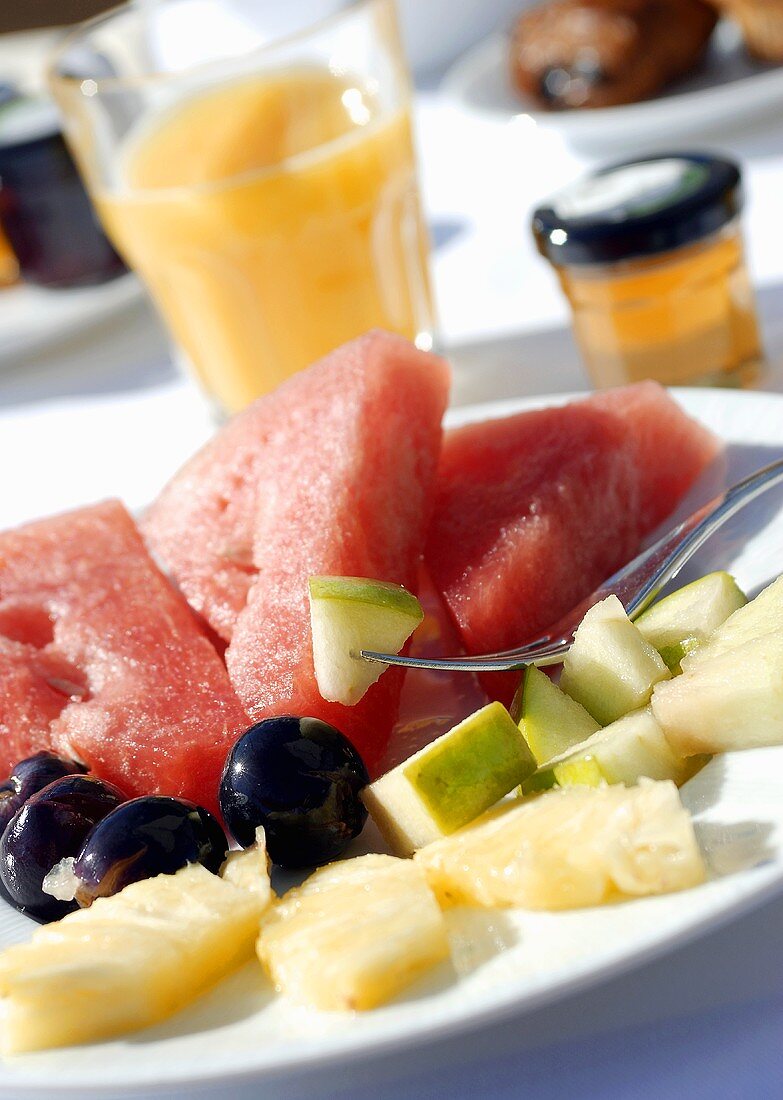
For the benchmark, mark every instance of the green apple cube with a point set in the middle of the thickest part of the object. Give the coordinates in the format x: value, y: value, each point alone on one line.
x: 550, y: 720
x: 611, y: 669
x: 568, y: 771
x: 450, y: 782
x: 678, y: 624
x: 763, y: 615
x: 625, y: 751
x: 347, y: 615
x: 730, y: 693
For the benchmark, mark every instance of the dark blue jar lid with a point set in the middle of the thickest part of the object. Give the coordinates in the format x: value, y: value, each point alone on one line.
x: 639, y: 208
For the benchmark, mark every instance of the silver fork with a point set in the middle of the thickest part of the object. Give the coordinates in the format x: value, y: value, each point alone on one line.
x: 636, y: 584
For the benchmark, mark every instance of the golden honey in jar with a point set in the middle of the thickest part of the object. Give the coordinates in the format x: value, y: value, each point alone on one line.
x: 650, y: 256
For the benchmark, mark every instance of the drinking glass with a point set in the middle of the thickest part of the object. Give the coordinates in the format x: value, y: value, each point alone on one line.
x: 264, y: 190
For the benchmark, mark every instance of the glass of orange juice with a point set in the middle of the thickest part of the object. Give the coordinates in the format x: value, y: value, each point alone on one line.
x: 264, y: 188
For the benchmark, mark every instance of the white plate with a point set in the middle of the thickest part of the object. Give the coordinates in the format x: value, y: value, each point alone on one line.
x: 31, y: 317
x: 507, y: 962
x: 730, y: 88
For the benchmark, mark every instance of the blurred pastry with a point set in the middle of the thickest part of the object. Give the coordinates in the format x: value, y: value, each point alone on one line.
x: 761, y: 23
x: 600, y: 53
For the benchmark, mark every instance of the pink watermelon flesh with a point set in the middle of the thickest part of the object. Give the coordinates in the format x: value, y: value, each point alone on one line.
x: 201, y: 525
x: 672, y: 449
x: 533, y: 511
x: 36, y: 686
x: 101, y: 659
x: 343, y: 487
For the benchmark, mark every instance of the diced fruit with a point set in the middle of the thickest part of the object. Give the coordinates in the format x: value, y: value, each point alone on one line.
x: 730, y: 693
x: 30, y: 776
x: 88, y: 618
x: 681, y: 622
x: 354, y: 934
x: 569, y: 848
x: 762, y: 616
x: 450, y: 782
x: 519, y: 533
x: 551, y: 721
x: 299, y: 779
x: 623, y: 752
x: 347, y: 615
x: 567, y: 771
x: 148, y: 836
x: 248, y: 869
x: 610, y: 668
x: 343, y: 488
x: 132, y: 959
x: 50, y: 826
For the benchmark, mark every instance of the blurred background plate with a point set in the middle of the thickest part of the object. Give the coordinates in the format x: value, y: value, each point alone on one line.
x: 32, y: 317
x: 730, y: 89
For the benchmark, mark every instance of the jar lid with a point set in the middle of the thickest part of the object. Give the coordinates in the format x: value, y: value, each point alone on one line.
x: 638, y: 208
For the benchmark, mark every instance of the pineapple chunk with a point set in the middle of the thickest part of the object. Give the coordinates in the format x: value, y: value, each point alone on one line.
x: 132, y: 959
x: 354, y: 934
x: 569, y: 848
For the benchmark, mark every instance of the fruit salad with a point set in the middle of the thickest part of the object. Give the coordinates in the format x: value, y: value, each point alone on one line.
x: 171, y: 733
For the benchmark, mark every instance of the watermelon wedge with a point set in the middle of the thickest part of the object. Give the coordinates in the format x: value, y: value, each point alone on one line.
x: 533, y: 511
x: 201, y: 525
x: 343, y: 487
x: 100, y: 658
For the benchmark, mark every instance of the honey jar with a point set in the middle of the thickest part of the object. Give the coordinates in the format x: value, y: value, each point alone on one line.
x: 651, y: 258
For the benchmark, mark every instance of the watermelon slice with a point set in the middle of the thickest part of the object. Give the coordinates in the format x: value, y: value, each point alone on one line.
x: 100, y: 658
x: 343, y: 487
x: 201, y: 525
x: 533, y: 511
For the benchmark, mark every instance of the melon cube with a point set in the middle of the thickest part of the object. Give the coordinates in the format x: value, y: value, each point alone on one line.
x: 551, y: 721
x: 450, y: 782
x: 684, y: 620
x: 610, y: 668
x: 730, y: 693
x: 623, y: 752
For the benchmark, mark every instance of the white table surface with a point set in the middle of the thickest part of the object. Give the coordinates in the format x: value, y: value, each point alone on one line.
x: 104, y: 412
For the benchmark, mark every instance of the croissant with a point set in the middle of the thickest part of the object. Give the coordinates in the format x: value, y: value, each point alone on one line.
x: 600, y: 53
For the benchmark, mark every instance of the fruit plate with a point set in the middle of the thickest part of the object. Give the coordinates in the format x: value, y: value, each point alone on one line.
x: 504, y: 962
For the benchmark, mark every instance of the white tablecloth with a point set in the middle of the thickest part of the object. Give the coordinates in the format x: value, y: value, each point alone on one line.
x: 105, y: 413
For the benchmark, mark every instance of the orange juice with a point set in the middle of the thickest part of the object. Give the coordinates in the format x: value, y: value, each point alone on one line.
x: 272, y: 219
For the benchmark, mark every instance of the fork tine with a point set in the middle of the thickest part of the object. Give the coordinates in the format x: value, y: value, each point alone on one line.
x: 513, y: 660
